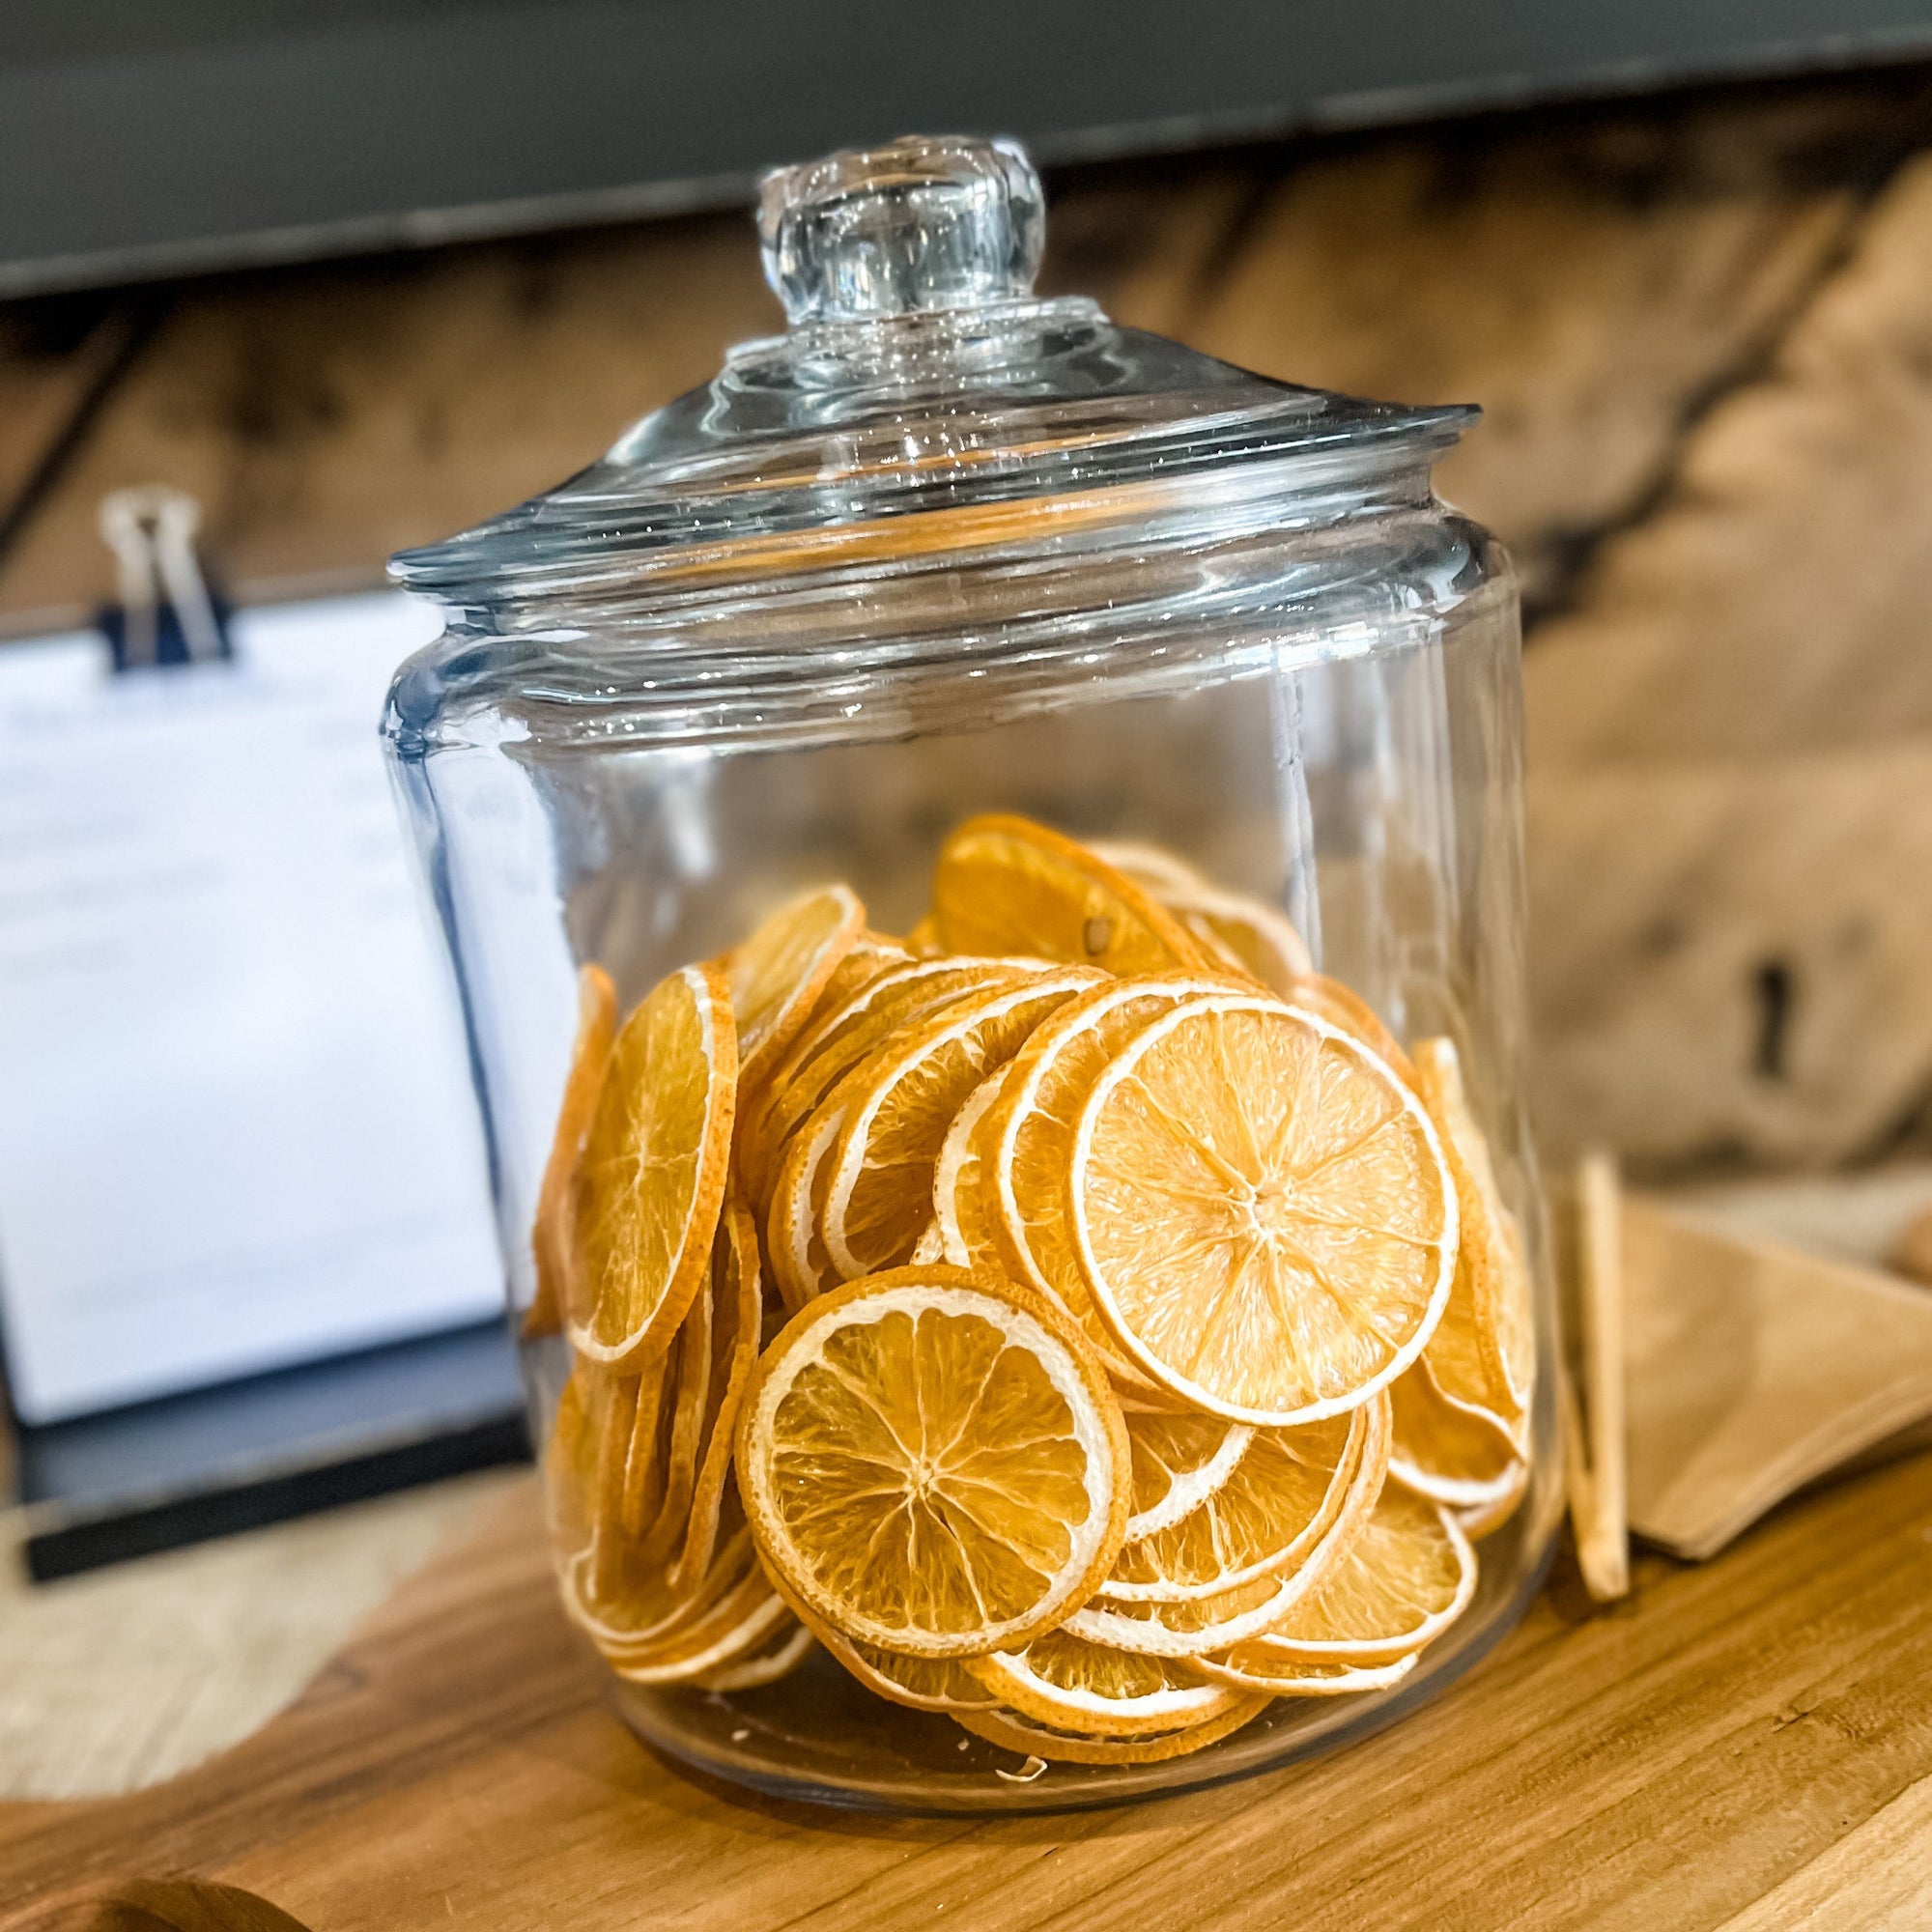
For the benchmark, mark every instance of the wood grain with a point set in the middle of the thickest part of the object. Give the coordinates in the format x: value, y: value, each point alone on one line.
x: 1670, y: 1765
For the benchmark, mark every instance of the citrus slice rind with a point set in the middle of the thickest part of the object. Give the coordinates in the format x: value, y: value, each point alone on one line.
x: 1407, y: 1578
x: 1005, y: 885
x: 778, y: 973
x: 1022, y: 1735
x: 651, y: 1183
x: 1178, y: 1462
x: 793, y: 1237
x: 899, y: 1105
x: 962, y: 1207
x: 932, y: 1463
x: 1263, y: 1214
x: 1252, y: 936
x: 942, y: 1684
x: 1270, y: 1674
x: 1062, y: 1680
x: 1275, y: 1505
x: 1198, y: 1625
x: 550, y: 1246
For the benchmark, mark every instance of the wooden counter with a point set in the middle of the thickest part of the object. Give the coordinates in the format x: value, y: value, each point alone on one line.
x: 1745, y: 1744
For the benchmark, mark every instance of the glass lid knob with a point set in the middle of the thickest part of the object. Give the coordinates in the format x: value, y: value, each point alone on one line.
x: 925, y: 224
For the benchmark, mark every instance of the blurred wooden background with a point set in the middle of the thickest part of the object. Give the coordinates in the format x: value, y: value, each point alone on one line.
x: 1701, y: 326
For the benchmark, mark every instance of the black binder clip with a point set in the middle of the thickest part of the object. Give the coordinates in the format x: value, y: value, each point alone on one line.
x: 168, y: 613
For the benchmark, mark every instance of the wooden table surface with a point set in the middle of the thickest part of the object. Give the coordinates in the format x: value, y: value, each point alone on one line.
x: 1745, y: 1744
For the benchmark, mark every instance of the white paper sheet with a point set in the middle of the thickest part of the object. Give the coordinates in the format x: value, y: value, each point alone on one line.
x: 236, y: 1122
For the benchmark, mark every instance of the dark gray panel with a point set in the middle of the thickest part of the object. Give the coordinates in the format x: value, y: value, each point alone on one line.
x: 139, y: 140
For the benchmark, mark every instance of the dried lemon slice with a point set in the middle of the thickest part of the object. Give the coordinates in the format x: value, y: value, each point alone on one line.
x: 1062, y: 1680
x: 1408, y: 1577
x: 549, y: 1237
x: 777, y: 974
x: 932, y: 1463
x: 1278, y: 1501
x: 1178, y: 1462
x: 1484, y: 1353
x: 899, y: 1104
x: 652, y: 1178
x: 1006, y: 885
x: 1262, y: 1211
x: 1015, y: 1733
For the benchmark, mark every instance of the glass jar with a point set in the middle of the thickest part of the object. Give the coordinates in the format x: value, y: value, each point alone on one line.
x: 983, y: 854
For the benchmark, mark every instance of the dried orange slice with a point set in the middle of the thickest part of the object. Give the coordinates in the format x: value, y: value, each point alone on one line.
x: 1015, y: 1733
x: 1086, y: 1687
x: 1408, y: 1577
x: 1262, y: 1214
x: 779, y: 1656
x: 1178, y: 1462
x: 932, y: 1463
x: 585, y: 1456
x: 1006, y: 885
x: 899, y: 1104
x: 1485, y: 1519
x: 1250, y: 935
x: 919, y: 1683
x: 1276, y: 1504
x: 1202, y: 1624
x: 549, y: 1237
x: 1446, y: 1451
x: 900, y: 997
x: 736, y: 1321
x: 1340, y: 1006
x: 735, y: 1628
x: 1276, y: 1674
x: 1484, y: 1353
x: 794, y: 1234
x: 964, y: 1211
x: 1154, y: 868
x: 777, y: 974
x: 651, y: 1183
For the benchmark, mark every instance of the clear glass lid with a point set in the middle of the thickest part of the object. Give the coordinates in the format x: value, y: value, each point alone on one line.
x: 924, y: 401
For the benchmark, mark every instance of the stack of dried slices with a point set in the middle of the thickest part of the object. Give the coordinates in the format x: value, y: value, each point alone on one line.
x: 1080, y: 1317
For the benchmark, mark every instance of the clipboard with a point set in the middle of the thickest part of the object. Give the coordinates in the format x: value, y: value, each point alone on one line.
x: 247, y: 1257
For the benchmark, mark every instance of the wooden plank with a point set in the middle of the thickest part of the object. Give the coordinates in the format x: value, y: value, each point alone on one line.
x: 1876, y: 1879
x: 1728, y: 958
x: 1667, y: 1765
x: 1776, y: 597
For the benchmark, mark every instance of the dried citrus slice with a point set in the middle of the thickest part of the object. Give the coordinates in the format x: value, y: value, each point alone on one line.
x: 1264, y: 1217
x: 629, y: 1608
x: 777, y: 974
x: 1196, y: 1626
x: 585, y: 1456
x: 1278, y: 1501
x: 794, y: 1236
x: 899, y: 1104
x: 920, y: 1683
x: 1250, y: 935
x: 1454, y: 1454
x: 736, y: 1322
x: 899, y: 997
x: 735, y: 1628
x: 1340, y: 1006
x: 1485, y: 1519
x: 690, y: 1386
x: 779, y: 1656
x: 1156, y: 868
x: 931, y: 1462
x: 1484, y: 1352
x: 922, y: 939
x: 1178, y: 1462
x: 1075, y: 1686
x: 1015, y: 1733
x: 550, y: 1238
x: 964, y: 1209
x: 1006, y: 885
x: 1275, y: 1674
x: 1408, y: 1578
x: 652, y: 1178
